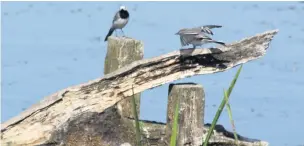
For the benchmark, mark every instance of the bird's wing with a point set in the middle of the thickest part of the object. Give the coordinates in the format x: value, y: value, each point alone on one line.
x: 212, y: 26
x: 116, y: 17
x: 186, y: 39
x: 188, y: 32
x: 207, y: 28
x: 182, y: 40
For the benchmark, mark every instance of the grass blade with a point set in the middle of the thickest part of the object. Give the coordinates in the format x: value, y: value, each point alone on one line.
x: 234, y: 81
x: 175, y: 125
x: 230, y: 117
x: 221, y: 107
x: 138, y: 134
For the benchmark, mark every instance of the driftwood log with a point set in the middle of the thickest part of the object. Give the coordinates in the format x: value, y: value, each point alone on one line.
x: 50, y: 120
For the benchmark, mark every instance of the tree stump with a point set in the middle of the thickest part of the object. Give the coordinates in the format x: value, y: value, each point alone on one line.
x: 191, y: 98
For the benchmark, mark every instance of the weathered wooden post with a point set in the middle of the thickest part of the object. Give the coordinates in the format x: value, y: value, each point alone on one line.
x: 121, y: 52
x: 191, y: 99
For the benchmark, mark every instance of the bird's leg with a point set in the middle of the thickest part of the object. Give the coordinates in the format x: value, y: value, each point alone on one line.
x: 123, y: 34
x: 115, y: 32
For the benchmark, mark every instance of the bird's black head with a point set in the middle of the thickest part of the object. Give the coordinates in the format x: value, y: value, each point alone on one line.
x: 123, y: 12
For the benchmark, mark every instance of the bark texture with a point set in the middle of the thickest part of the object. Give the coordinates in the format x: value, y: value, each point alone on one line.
x: 191, y: 98
x: 120, y: 53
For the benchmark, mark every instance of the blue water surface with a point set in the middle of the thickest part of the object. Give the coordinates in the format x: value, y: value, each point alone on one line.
x: 48, y: 46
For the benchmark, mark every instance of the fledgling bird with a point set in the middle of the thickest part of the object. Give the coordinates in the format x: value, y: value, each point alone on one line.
x: 206, y: 29
x: 197, y: 35
x: 120, y: 20
x: 201, y: 39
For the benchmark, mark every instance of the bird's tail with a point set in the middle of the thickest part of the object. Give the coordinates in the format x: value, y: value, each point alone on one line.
x: 218, y: 42
x: 109, y: 33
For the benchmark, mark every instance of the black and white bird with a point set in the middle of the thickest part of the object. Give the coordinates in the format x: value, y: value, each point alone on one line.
x: 120, y: 20
x: 197, y: 36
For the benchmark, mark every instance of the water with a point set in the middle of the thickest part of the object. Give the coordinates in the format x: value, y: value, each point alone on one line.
x: 48, y: 46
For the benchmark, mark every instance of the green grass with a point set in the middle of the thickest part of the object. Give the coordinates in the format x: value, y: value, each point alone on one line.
x: 175, y: 125
x: 230, y: 117
x: 221, y: 107
x: 138, y: 133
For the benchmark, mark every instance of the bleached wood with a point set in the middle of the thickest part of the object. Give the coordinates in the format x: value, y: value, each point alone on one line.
x: 37, y: 124
x: 191, y: 99
x: 121, y: 52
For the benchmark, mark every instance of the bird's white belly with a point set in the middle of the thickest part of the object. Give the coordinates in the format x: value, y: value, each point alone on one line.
x: 120, y: 23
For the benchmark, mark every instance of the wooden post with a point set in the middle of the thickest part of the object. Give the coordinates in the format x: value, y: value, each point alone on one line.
x: 191, y: 113
x: 121, y: 52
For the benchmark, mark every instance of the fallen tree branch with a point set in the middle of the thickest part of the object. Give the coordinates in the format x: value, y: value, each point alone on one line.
x: 36, y: 124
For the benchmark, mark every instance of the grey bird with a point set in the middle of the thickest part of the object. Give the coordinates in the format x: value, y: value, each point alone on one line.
x: 201, y: 39
x: 206, y: 29
x: 120, y: 20
x: 197, y: 36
